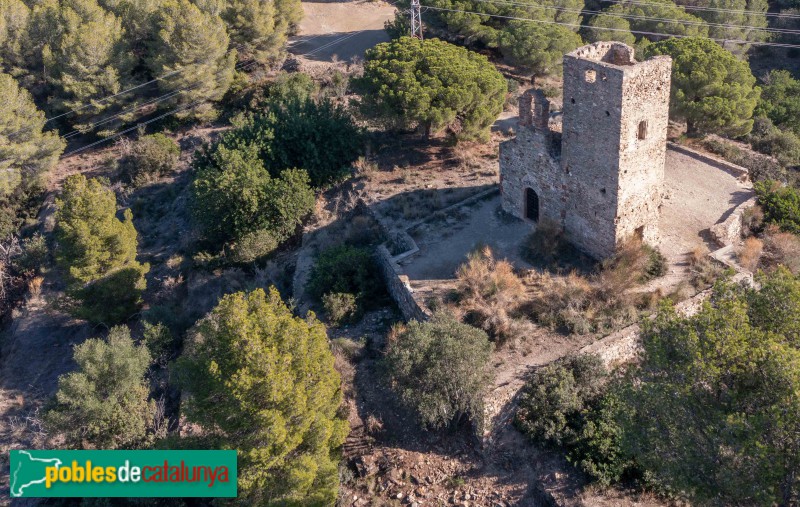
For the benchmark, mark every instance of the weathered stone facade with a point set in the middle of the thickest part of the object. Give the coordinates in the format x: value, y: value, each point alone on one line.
x: 601, y: 178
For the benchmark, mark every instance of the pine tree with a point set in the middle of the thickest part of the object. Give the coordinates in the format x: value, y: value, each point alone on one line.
x: 537, y: 48
x: 251, y: 357
x: 97, y: 252
x: 26, y: 153
x: 14, y: 17
x: 190, y: 51
x: 83, y: 55
x: 711, y: 89
x: 254, y: 25
x: 433, y: 85
x: 104, y: 404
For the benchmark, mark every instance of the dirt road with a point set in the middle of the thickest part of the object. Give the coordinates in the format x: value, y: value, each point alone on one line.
x: 340, y: 30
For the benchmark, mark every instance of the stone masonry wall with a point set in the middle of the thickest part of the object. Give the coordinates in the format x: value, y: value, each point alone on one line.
x: 399, y: 288
x: 606, y: 185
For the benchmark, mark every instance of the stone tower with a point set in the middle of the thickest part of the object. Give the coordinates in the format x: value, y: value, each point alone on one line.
x: 613, y: 145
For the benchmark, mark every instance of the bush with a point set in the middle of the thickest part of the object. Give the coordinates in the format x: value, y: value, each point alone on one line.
x: 546, y: 245
x: 340, y: 308
x: 750, y: 253
x: 149, y: 157
x: 234, y: 195
x: 554, y: 397
x: 782, y: 249
x: 567, y: 404
x: 350, y: 270
x: 596, y: 449
x: 320, y: 137
x: 760, y: 167
x: 636, y: 262
x: 783, y: 145
x: 440, y: 370
x: 489, y: 292
x: 34, y: 254
x: 112, y: 299
x: 104, y: 404
x: 97, y: 252
x: 781, y: 205
x: 253, y: 246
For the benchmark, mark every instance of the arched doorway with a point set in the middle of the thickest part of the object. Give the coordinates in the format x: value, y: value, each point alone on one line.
x: 531, y: 205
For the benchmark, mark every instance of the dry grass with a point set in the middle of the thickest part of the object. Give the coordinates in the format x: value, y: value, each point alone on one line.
x: 781, y: 248
x: 749, y: 253
x: 703, y: 271
x: 600, y: 302
x: 489, y: 294
x: 35, y: 285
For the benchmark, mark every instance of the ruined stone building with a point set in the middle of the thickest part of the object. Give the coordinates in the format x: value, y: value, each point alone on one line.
x: 601, y: 179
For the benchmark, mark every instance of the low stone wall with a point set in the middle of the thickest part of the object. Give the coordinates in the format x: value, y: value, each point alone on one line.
x: 399, y: 287
x: 735, y: 170
x: 729, y: 231
x: 625, y: 345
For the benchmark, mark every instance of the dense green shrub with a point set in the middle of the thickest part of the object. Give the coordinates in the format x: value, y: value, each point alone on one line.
x: 568, y: 404
x: 716, y: 397
x: 340, y: 307
x: 781, y: 205
x: 149, y: 157
x: 347, y: 269
x: 253, y: 246
x: 555, y: 395
x: 235, y: 195
x: 113, y: 298
x: 97, y: 252
x: 784, y: 145
x: 433, y: 85
x: 260, y: 380
x: 320, y: 137
x: 104, y: 404
x: 780, y: 100
x: 440, y: 370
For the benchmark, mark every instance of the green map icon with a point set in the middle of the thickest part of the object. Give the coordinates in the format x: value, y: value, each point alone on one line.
x: 28, y: 471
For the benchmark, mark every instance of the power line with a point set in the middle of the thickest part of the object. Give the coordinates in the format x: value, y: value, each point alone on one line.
x: 179, y: 109
x: 640, y: 32
x: 648, y: 18
x: 710, y: 9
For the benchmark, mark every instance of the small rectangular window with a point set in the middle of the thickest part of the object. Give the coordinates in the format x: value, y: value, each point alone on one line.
x: 590, y: 76
x: 642, y: 134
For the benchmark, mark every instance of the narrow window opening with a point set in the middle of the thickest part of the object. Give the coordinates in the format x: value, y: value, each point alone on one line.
x: 590, y: 76
x: 603, y: 191
x: 572, y: 100
x: 608, y: 113
x: 531, y: 205
x: 642, y: 133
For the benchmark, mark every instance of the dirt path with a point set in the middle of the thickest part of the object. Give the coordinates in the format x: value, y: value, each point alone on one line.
x: 340, y: 30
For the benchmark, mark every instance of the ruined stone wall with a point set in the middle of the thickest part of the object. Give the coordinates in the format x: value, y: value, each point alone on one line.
x: 645, y: 113
x: 526, y: 162
x: 605, y: 182
x: 399, y: 287
x: 590, y: 151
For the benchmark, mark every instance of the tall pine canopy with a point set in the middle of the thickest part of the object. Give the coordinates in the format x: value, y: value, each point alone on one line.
x: 26, y: 153
x: 262, y: 381
x: 712, y: 90
x: 190, y: 50
x: 434, y: 85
